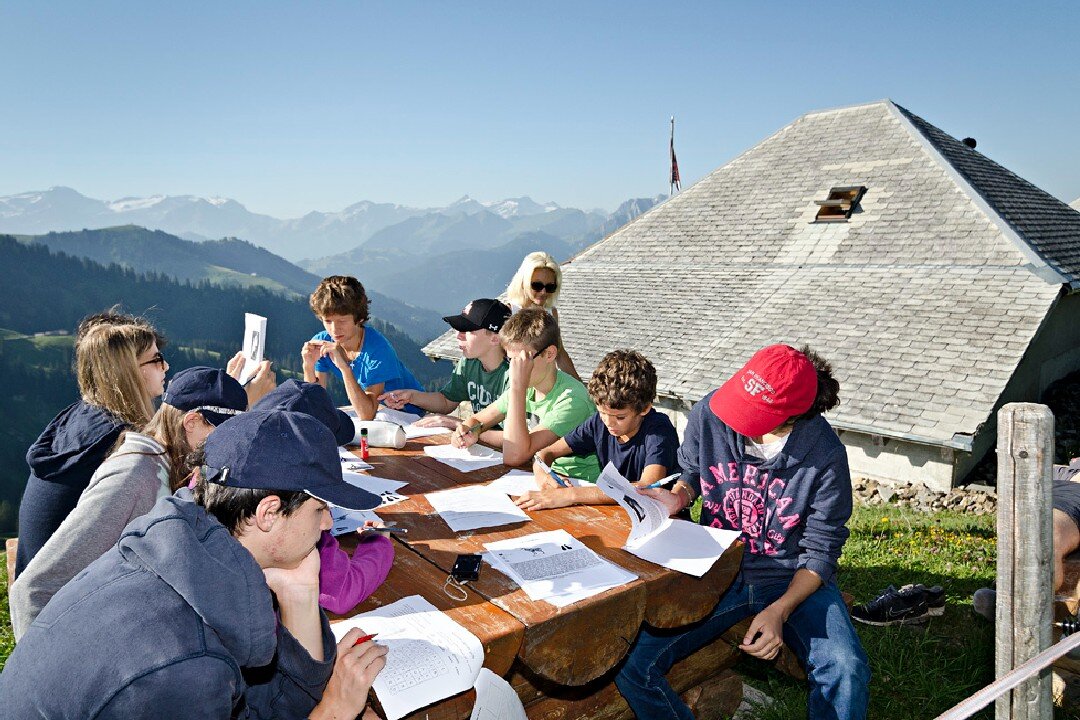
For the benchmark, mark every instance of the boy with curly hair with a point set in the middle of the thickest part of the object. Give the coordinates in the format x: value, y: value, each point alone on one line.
x: 625, y: 430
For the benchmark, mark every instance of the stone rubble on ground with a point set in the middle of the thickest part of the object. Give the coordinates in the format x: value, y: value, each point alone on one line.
x: 973, y: 499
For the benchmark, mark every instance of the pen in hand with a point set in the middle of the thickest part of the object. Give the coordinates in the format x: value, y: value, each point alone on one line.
x: 549, y: 471
x: 364, y: 638
x: 663, y: 481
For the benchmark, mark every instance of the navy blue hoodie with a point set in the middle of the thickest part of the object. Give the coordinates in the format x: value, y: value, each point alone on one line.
x: 62, y: 461
x: 792, y: 510
x: 176, y: 620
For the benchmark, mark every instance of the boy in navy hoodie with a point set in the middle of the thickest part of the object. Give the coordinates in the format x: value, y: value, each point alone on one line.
x: 766, y: 463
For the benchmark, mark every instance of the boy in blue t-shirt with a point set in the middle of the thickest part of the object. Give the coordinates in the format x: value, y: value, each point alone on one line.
x: 625, y: 430
x: 359, y: 355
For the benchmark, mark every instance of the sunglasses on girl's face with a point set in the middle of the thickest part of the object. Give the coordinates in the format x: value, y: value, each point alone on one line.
x: 537, y: 286
x: 158, y: 359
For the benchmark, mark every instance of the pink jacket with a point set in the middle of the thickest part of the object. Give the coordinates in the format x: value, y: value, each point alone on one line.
x: 346, y: 582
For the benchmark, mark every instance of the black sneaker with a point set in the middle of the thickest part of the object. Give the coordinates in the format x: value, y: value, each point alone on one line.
x: 935, y: 598
x: 892, y: 606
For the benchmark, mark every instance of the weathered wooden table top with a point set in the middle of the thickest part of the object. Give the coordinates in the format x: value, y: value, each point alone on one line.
x: 568, y: 646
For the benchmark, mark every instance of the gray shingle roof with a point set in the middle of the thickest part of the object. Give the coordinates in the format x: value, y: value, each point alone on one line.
x: 925, y: 301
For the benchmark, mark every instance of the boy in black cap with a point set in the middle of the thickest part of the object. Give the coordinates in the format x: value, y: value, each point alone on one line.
x: 480, y: 375
x: 208, y: 608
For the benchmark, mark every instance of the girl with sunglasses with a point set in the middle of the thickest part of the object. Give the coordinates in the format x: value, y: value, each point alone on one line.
x: 537, y: 283
x: 120, y: 371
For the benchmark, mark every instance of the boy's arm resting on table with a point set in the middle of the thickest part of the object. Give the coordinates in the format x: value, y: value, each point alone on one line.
x: 474, y: 429
x: 555, y: 497
x: 430, y: 401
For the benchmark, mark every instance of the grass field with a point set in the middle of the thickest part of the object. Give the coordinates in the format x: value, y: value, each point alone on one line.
x: 919, y: 671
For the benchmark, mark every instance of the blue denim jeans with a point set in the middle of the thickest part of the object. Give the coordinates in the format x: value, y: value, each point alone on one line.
x: 819, y: 631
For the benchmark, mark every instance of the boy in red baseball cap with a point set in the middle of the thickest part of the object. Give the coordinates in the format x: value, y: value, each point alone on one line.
x: 766, y: 463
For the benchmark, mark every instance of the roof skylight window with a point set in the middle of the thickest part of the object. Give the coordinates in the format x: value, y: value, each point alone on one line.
x: 841, y: 202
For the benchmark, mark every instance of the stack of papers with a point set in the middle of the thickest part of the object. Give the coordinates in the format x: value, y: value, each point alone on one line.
x: 475, y: 506
x: 555, y: 567
x: 675, y: 544
x: 431, y: 657
x: 467, y: 459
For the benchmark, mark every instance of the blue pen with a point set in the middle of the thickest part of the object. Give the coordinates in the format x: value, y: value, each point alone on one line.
x: 663, y: 481
x: 549, y: 471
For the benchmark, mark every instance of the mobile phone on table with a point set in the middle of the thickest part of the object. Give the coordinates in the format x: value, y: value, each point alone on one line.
x: 466, y: 568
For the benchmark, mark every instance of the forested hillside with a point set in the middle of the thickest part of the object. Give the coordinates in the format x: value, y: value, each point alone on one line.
x: 42, y: 291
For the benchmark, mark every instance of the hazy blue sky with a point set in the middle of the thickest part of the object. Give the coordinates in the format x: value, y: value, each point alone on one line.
x: 298, y: 106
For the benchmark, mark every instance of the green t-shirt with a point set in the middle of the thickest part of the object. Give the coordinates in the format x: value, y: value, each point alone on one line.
x: 565, y: 407
x: 471, y: 382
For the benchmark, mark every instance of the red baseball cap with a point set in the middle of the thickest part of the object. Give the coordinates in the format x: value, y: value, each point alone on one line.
x: 777, y: 383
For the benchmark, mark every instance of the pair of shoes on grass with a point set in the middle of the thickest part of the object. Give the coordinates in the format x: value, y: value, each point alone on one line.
x: 910, y: 603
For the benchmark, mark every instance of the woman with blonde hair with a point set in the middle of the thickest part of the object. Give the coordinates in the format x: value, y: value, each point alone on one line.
x: 120, y: 369
x: 537, y: 283
x: 144, y: 467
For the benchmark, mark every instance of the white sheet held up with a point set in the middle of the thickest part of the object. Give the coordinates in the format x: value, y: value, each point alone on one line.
x: 430, y: 656
x: 675, y: 544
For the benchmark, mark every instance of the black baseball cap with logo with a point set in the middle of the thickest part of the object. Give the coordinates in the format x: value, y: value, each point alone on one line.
x: 482, y: 314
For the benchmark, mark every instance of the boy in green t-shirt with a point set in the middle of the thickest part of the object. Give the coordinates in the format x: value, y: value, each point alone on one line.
x: 541, y: 404
x: 480, y: 376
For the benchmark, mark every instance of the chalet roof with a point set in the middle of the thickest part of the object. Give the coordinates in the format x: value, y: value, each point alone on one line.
x: 924, y: 301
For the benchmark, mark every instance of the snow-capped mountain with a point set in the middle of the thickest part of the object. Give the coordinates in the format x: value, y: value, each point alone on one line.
x: 315, y: 235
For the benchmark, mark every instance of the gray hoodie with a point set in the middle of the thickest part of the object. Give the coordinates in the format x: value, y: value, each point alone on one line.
x: 175, y: 621
x: 126, y: 486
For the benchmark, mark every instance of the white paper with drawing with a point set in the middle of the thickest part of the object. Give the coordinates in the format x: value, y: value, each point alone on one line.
x: 467, y: 459
x: 347, y: 521
x: 385, y: 489
x: 678, y: 545
x: 555, y: 566
x: 648, y: 516
x: 430, y: 656
x: 475, y: 506
x: 254, y: 343
x: 496, y: 699
x: 515, y: 483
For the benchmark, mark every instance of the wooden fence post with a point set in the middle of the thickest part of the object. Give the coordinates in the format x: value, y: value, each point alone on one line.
x: 1024, y: 571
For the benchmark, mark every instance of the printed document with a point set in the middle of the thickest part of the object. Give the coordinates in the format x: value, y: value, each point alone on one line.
x: 515, y: 483
x: 496, y: 699
x: 352, y: 463
x: 386, y: 489
x: 475, y: 506
x: 430, y: 656
x: 254, y: 343
x: 554, y: 566
x: 678, y: 545
x: 467, y: 459
x: 347, y: 521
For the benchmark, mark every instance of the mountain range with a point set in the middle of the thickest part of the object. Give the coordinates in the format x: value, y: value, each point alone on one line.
x: 434, y: 258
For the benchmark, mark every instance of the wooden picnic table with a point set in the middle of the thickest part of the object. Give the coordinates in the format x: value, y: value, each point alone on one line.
x: 554, y: 657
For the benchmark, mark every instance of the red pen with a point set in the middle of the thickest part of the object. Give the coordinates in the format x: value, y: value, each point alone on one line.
x: 363, y: 639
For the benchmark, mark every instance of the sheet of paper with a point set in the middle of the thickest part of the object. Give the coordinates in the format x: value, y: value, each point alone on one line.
x: 351, y: 463
x: 415, y: 431
x: 515, y: 483
x: 647, y: 515
x: 467, y: 459
x: 686, y: 547
x: 496, y: 699
x: 386, y: 489
x: 398, y: 417
x: 254, y: 343
x: 555, y: 567
x: 347, y: 521
x: 430, y: 656
x: 475, y: 506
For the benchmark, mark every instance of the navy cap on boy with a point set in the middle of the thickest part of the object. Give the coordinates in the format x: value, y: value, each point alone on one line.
x: 482, y: 314
x: 211, y: 391
x: 285, y: 451
x: 314, y: 400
